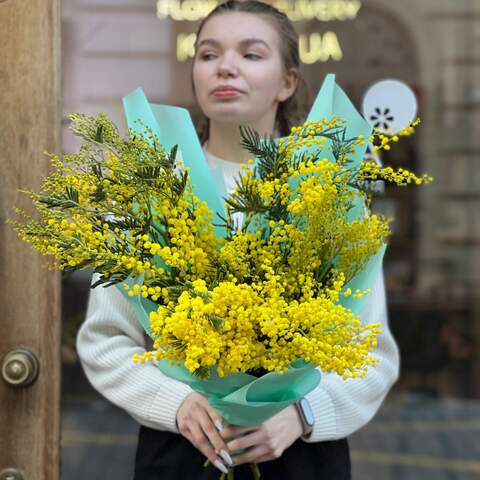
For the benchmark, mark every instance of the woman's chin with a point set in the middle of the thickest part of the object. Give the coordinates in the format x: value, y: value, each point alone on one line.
x: 227, y: 115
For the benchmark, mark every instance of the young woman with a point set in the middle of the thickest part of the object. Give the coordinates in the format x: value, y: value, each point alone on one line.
x: 245, y: 72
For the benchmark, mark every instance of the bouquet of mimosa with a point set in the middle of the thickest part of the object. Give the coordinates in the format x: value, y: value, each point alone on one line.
x: 248, y: 317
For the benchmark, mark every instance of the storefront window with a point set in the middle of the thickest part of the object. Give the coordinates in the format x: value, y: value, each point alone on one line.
x: 428, y: 425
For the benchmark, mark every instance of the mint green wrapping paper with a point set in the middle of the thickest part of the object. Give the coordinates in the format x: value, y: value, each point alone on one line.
x: 246, y: 400
x: 240, y: 398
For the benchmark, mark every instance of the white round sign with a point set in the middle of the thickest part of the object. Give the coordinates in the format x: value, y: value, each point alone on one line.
x: 389, y: 105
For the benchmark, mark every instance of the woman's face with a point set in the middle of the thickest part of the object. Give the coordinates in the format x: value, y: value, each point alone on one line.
x: 240, y: 50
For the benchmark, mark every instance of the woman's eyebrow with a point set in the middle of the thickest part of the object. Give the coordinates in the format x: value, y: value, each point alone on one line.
x: 245, y: 41
x: 250, y: 41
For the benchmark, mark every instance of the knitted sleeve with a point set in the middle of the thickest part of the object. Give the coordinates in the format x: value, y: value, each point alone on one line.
x: 106, y: 342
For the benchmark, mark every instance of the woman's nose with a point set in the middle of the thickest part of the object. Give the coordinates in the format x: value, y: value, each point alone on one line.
x: 227, y: 67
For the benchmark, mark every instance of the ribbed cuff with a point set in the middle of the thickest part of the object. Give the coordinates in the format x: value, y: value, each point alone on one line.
x: 325, y: 426
x: 167, y: 402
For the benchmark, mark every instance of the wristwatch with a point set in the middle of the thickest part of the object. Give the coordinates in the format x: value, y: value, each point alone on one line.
x: 306, y: 415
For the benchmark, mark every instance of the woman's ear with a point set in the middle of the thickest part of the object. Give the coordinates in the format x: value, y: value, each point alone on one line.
x: 290, y: 82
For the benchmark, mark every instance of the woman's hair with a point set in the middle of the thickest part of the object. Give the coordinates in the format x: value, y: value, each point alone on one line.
x: 293, y: 110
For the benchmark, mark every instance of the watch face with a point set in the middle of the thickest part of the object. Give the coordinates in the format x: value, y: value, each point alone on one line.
x: 307, y: 412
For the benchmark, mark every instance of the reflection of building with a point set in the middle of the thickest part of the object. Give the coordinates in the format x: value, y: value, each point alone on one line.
x: 111, y: 48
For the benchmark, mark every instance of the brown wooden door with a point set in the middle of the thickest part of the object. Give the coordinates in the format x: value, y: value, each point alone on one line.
x: 29, y: 293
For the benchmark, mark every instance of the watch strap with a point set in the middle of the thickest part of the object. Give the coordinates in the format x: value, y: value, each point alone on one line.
x: 305, y: 417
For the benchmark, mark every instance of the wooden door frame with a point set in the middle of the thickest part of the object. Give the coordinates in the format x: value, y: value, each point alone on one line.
x: 30, y: 302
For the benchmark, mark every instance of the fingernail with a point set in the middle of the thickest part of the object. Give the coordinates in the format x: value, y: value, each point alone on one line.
x: 220, y: 466
x: 224, y: 454
x: 219, y: 425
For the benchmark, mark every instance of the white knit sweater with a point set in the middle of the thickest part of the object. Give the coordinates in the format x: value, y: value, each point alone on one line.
x: 111, y: 335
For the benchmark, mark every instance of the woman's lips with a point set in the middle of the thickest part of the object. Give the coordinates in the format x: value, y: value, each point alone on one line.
x: 226, y: 93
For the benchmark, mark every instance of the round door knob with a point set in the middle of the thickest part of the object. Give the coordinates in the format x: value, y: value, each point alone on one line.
x: 20, y: 367
x: 11, y: 474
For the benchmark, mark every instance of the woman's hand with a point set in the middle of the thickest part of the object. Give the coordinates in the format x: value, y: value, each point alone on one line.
x: 199, y: 423
x: 267, y: 441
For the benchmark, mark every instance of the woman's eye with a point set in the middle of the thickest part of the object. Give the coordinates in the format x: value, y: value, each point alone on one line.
x: 253, y: 55
x: 206, y: 56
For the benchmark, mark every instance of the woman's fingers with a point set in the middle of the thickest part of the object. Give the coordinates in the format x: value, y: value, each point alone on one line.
x: 258, y: 446
x: 253, y: 455
x: 195, y: 423
x: 217, y: 420
x: 254, y: 438
x: 201, y: 442
x: 211, y: 431
x: 235, y: 431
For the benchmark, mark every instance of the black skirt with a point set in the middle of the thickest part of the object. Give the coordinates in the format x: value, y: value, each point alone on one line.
x: 170, y: 456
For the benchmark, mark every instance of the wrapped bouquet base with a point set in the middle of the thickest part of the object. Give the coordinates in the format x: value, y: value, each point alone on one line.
x: 246, y: 400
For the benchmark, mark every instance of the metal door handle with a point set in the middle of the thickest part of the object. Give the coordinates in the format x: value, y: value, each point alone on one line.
x: 20, y: 367
x: 11, y: 474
